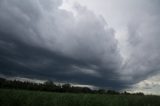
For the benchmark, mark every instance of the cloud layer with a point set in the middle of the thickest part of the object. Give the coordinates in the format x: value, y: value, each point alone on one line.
x: 38, y: 39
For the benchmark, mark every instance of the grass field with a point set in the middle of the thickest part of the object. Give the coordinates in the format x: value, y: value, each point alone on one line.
x: 37, y: 98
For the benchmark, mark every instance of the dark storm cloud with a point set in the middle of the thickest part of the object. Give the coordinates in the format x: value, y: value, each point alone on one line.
x: 138, y: 30
x: 39, y: 40
x: 20, y: 59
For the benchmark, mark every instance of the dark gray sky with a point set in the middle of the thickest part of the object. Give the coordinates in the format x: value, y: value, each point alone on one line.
x: 111, y: 44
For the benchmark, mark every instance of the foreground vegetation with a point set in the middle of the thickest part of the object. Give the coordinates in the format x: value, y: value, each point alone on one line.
x: 18, y: 93
x: 11, y: 97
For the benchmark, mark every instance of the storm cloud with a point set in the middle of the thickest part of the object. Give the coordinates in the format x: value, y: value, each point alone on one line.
x: 118, y: 49
x: 40, y: 40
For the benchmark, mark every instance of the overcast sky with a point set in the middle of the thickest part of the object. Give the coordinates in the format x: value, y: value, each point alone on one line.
x: 104, y: 43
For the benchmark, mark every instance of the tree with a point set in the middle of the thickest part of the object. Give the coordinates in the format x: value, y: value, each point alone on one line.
x: 49, y: 86
x: 101, y: 91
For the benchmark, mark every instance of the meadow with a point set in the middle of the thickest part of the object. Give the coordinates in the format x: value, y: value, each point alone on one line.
x: 11, y: 97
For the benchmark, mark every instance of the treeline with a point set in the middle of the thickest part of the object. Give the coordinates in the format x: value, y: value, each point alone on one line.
x: 52, y: 87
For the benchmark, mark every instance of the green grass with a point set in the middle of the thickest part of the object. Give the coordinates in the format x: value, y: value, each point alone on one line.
x: 37, y: 98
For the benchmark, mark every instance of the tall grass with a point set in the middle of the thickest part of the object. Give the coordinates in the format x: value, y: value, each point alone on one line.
x: 37, y: 98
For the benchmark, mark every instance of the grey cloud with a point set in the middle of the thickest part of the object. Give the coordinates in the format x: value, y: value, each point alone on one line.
x: 140, y: 18
x: 143, y: 44
x: 40, y: 40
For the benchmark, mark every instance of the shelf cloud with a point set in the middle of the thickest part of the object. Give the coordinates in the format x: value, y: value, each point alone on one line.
x: 38, y: 39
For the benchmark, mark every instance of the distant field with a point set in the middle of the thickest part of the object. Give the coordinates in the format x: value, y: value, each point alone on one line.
x: 37, y: 98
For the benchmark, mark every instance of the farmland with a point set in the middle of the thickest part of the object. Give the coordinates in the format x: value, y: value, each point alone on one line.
x: 11, y: 97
